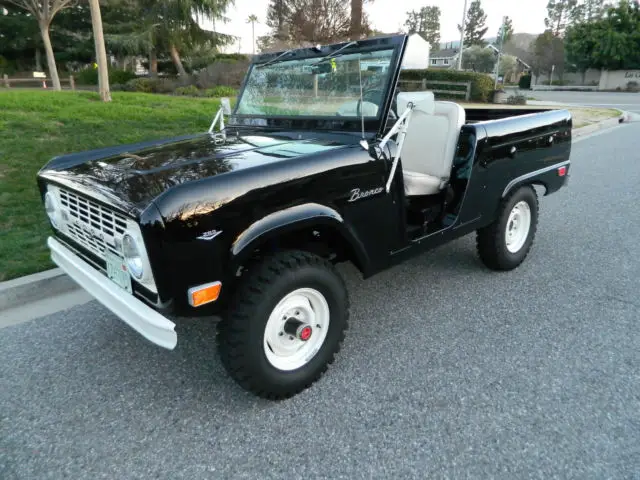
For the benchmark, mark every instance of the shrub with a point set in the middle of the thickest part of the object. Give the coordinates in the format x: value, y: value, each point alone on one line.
x: 150, y: 85
x: 517, y: 100
x: 120, y: 76
x: 190, y: 90
x: 222, y: 72
x: 221, y: 91
x: 525, y: 82
x: 89, y: 76
x: 633, y: 86
x: 481, y: 84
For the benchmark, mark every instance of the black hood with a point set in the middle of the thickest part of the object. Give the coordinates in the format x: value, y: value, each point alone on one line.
x: 131, y: 176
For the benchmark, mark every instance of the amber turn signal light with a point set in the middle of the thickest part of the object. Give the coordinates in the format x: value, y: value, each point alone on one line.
x: 202, y: 294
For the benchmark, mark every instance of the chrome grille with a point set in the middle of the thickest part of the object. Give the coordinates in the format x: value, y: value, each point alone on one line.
x: 90, y: 224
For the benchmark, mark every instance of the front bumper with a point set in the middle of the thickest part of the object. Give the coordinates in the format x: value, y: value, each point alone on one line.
x: 139, y: 316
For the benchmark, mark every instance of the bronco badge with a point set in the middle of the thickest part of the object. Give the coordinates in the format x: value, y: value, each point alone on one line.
x: 356, y: 194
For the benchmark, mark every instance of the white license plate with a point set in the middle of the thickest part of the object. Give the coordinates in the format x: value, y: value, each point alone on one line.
x: 117, y: 271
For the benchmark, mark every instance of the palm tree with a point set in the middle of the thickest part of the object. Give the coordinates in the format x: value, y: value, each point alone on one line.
x: 252, y: 20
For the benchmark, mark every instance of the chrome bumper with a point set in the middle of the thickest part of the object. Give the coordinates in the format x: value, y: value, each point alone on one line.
x: 139, y: 316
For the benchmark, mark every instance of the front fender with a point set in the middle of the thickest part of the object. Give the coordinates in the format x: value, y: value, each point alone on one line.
x: 292, y: 219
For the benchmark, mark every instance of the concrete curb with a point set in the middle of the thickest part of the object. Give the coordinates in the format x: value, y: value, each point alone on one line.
x: 604, y: 124
x: 38, y: 286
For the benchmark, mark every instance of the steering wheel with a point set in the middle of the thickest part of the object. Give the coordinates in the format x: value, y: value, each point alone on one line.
x: 373, y: 95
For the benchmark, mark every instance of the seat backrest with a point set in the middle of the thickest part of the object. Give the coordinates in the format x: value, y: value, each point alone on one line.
x: 431, y: 140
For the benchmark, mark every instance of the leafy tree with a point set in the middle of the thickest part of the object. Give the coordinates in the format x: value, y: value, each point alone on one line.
x: 277, y: 14
x: 359, y: 25
x: 19, y: 38
x: 479, y: 59
x: 426, y: 23
x: 44, y: 12
x: 168, y: 26
x: 612, y: 43
x: 303, y: 22
x: 548, y: 51
x: 508, y: 65
x: 560, y: 13
x: 588, y: 11
x: 506, y: 30
x: 475, y: 29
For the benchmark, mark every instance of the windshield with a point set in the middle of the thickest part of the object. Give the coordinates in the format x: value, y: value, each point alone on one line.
x: 307, y: 88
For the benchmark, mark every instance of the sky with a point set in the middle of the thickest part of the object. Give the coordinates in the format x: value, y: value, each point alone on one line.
x: 389, y: 16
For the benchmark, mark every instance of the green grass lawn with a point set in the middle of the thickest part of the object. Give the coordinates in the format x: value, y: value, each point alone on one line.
x: 38, y: 125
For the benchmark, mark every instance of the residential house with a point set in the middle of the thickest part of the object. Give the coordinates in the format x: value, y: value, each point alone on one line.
x: 445, y: 58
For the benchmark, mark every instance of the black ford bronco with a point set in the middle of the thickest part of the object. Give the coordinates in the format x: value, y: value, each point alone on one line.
x: 323, y: 159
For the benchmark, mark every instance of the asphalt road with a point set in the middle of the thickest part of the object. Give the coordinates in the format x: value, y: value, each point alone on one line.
x: 622, y: 100
x: 448, y: 371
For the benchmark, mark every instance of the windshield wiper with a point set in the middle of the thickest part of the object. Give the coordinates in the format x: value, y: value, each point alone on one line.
x: 271, y: 62
x: 334, y: 54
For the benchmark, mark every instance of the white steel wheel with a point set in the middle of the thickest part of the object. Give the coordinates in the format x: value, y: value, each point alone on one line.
x: 296, y: 329
x: 518, y: 226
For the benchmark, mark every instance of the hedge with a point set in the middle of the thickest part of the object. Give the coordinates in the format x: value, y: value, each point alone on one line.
x: 525, y: 82
x: 481, y: 84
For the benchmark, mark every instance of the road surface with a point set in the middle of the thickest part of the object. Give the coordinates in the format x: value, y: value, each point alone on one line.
x: 620, y: 100
x: 448, y: 370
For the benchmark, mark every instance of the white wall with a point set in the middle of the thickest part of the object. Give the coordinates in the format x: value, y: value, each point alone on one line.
x: 611, y: 80
x: 592, y: 77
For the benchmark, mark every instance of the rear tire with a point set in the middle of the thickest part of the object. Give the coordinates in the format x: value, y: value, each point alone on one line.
x: 504, y: 244
x: 262, y: 341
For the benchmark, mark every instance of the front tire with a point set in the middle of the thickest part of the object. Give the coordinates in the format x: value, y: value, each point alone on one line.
x: 285, y: 325
x: 504, y: 244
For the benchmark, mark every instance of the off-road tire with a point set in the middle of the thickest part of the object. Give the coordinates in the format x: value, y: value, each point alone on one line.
x: 241, y: 332
x: 490, y: 240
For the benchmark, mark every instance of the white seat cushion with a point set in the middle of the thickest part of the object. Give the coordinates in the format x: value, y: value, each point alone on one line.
x: 420, y: 184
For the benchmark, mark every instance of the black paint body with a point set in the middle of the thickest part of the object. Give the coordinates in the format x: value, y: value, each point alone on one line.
x: 267, y: 187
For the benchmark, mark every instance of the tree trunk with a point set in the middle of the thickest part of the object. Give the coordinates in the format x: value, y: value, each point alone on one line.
x: 101, y: 52
x: 38, y: 60
x: 51, y: 60
x: 175, y: 56
x: 153, y: 63
x: 356, y: 19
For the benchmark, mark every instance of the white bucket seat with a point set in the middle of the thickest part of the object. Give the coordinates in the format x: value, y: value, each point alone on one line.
x: 430, y: 142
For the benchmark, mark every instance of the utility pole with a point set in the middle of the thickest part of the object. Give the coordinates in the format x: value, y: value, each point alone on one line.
x: 504, y: 20
x: 464, y: 17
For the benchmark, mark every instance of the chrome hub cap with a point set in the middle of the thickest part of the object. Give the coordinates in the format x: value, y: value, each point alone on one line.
x: 296, y: 329
x: 518, y: 226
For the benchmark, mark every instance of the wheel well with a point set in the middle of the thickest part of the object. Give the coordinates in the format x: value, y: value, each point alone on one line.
x: 323, y: 240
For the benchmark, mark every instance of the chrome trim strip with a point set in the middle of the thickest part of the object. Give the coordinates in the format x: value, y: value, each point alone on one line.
x: 145, y: 320
x: 529, y: 175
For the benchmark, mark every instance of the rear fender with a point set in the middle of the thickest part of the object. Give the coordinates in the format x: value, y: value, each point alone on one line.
x: 287, y: 221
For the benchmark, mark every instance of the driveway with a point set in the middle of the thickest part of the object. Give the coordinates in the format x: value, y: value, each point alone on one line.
x: 448, y: 370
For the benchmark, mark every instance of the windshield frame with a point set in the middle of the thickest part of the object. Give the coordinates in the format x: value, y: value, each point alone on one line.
x: 372, y: 125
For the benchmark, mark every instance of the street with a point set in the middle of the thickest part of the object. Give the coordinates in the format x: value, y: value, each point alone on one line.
x: 448, y: 370
x: 621, y: 100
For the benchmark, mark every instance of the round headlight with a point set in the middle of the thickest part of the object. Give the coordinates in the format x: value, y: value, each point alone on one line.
x: 132, y: 256
x: 51, y: 207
